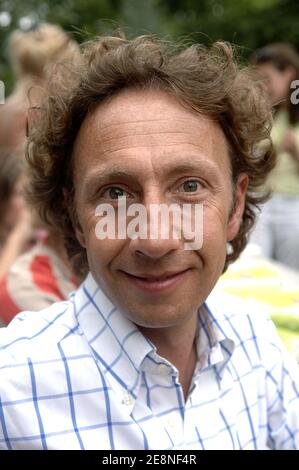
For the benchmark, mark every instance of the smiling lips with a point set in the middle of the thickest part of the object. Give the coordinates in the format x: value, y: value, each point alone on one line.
x: 157, y: 283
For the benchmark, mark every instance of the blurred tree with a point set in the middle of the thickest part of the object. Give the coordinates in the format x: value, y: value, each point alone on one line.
x: 249, y: 23
x: 143, y: 17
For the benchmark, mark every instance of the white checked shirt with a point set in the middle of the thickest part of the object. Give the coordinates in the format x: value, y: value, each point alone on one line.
x: 79, y: 375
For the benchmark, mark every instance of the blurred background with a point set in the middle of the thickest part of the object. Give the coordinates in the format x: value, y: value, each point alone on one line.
x: 248, y: 23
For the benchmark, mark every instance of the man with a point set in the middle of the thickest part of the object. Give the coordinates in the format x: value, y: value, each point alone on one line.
x: 137, y: 359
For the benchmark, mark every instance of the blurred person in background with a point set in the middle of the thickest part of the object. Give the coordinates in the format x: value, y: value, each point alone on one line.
x: 38, y: 278
x: 41, y: 273
x: 277, y: 230
x: 16, y: 230
x: 33, y: 55
x: 34, y: 269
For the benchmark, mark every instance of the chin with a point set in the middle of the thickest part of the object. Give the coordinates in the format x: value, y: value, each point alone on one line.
x: 157, y: 317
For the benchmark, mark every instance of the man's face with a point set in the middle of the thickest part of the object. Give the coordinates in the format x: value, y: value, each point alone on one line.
x: 145, y: 146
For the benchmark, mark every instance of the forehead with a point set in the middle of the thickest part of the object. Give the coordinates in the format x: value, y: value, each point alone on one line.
x: 140, y: 129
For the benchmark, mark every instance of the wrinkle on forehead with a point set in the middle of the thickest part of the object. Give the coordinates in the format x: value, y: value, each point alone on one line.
x: 149, y: 122
x: 142, y: 108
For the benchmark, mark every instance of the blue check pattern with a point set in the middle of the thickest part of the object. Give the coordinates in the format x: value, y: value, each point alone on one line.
x: 79, y: 375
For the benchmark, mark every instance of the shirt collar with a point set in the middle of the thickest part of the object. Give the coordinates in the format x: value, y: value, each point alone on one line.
x: 115, y: 341
x: 221, y: 336
x: 120, y: 348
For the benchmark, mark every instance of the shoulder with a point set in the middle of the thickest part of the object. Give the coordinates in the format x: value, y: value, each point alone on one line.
x: 43, y: 357
x: 36, y: 335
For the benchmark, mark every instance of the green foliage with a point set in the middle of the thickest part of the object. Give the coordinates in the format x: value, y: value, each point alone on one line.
x: 248, y: 23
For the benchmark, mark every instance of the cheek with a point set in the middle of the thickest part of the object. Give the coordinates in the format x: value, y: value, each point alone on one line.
x: 101, y: 246
x: 102, y: 253
x: 14, y: 207
x: 213, y: 251
x: 214, y: 244
x: 215, y: 219
x: 278, y: 88
x: 17, y: 203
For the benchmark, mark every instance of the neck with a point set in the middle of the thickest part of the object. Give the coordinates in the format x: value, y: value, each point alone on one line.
x: 177, y: 344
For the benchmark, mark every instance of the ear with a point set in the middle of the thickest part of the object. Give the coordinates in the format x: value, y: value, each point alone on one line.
x: 70, y: 205
x: 239, y: 204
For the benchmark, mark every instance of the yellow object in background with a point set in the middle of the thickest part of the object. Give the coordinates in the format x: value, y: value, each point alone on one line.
x: 270, y: 288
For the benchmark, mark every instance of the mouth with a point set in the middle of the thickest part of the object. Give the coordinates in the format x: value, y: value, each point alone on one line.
x: 157, y: 283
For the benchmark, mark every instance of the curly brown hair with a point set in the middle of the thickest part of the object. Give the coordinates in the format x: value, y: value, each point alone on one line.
x: 207, y: 80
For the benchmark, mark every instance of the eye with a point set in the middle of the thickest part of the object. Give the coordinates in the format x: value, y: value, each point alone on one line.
x: 191, y: 186
x: 114, y: 192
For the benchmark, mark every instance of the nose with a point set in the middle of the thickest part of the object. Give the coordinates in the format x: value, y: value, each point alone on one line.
x: 159, y: 235
x: 154, y: 249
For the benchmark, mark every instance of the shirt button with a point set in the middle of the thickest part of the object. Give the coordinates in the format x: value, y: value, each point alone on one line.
x: 127, y: 400
x: 162, y: 369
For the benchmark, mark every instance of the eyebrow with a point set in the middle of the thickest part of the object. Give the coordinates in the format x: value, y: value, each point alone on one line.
x: 196, y: 165
x: 113, y: 173
x: 109, y: 175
